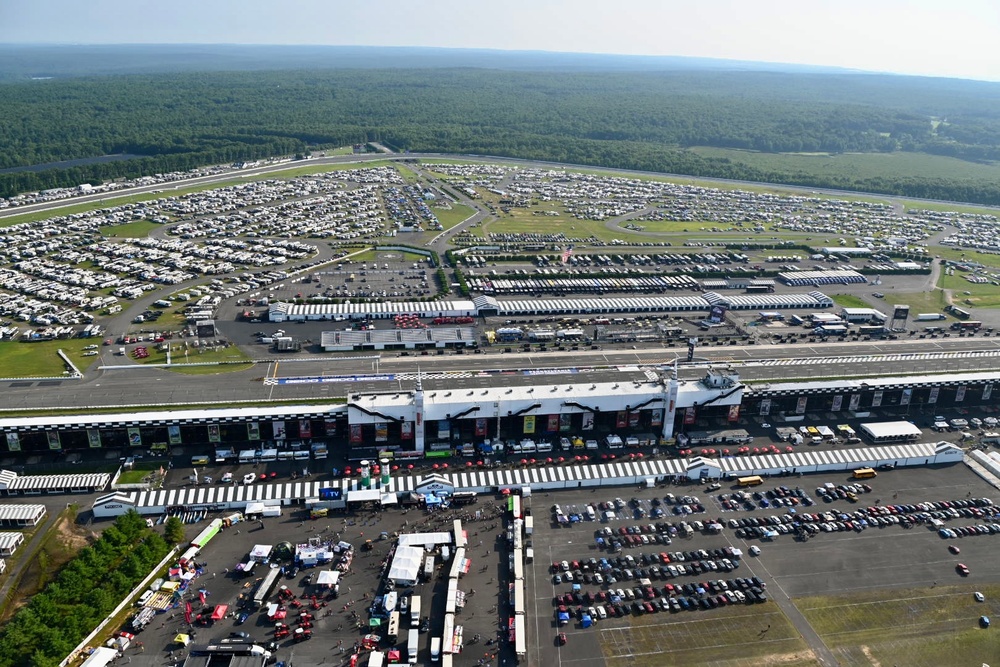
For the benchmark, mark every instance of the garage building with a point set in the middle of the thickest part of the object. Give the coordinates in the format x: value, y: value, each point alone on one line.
x: 21, y: 516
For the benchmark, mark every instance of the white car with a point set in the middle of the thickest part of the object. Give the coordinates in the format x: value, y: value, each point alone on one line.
x: 754, y: 550
x: 602, y: 613
x: 249, y: 478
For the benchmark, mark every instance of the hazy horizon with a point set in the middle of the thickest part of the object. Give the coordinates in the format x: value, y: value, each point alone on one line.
x: 909, y: 37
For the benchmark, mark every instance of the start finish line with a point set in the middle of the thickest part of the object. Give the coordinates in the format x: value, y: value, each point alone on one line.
x: 335, y: 378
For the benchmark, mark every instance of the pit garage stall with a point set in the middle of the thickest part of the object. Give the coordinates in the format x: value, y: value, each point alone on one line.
x: 12, y: 484
x: 544, y: 474
x: 485, y: 306
x: 398, y: 339
x: 915, y: 395
x: 158, y: 430
x: 21, y: 516
x: 289, y: 312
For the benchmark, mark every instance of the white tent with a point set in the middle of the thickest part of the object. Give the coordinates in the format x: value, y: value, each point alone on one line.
x: 254, y: 508
x: 101, y: 657
x: 406, y: 565
x: 261, y: 552
x: 328, y: 578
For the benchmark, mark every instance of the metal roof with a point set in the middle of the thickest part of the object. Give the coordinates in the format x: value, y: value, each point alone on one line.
x: 620, y: 471
x: 9, y: 540
x: 21, y: 512
x: 52, y: 482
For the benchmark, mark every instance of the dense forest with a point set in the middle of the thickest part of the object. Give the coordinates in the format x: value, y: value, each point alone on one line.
x: 623, y: 119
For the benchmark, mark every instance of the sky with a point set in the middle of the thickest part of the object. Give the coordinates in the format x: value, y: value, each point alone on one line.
x: 923, y: 37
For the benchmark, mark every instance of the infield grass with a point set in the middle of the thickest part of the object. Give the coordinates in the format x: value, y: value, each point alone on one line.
x: 729, y: 636
x: 926, y: 627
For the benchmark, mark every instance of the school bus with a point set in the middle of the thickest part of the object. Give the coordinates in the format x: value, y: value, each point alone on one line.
x: 865, y: 473
x: 753, y: 480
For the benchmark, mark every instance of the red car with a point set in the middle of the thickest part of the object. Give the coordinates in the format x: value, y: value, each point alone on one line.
x: 954, y: 549
x: 562, y: 638
x: 962, y: 569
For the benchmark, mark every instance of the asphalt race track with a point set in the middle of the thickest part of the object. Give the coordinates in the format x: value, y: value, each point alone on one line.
x: 332, y: 376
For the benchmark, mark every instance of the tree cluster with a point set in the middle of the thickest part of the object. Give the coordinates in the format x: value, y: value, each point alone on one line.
x: 631, y: 120
x: 45, y: 631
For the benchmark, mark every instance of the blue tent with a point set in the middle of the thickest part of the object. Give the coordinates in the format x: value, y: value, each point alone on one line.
x: 586, y: 621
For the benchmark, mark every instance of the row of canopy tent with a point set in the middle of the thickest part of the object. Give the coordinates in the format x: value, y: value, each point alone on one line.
x: 554, y: 476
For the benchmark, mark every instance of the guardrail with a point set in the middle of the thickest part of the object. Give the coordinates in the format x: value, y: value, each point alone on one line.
x: 75, y: 653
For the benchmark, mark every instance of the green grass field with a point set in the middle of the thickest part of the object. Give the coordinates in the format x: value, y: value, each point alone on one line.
x: 919, y: 302
x: 861, y: 165
x: 980, y: 295
x: 40, y: 359
x: 200, y: 356
x: 139, y: 229
x: 925, y: 627
x: 849, y: 301
x: 449, y: 217
x: 725, y: 637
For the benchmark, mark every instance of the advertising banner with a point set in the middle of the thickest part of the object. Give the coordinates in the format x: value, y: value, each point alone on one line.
x: 553, y: 424
x: 656, y: 417
x: 174, y: 434
x: 355, y: 434
x: 253, y: 431
x: 689, y: 416
x: 904, y: 398
x: 854, y: 402
x: 734, y: 413
x: 331, y: 426
x: 987, y: 392
x: 838, y: 402
x: 765, y: 406
x: 529, y: 423
x: 621, y: 419
x: 406, y: 431
x: 960, y: 394
x: 565, y: 423
x: 444, y: 429
x: 381, y: 431
x: 134, y: 437
x: 481, y: 427
x: 305, y: 428
x: 13, y: 442
x: 587, y: 423
x: 279, y: 430
x: 54, y: 440
x: 933, y: 396
x: 877, y: 399
x: 214, y: 435
x: 633, y: 419
x: 800, y: 406
x: 93, y: 437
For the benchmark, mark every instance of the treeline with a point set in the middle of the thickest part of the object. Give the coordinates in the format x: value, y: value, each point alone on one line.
x: 632, y: 120
x: 45, y: 631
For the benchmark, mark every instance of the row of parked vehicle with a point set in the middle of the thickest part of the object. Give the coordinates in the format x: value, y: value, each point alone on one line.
x: 647, y: 566
x: 782, y: 496
x: 649, y: 599
x: 650, y: 534
x: 830, y: 492
x: 970, y: 531
x: 880, y: 516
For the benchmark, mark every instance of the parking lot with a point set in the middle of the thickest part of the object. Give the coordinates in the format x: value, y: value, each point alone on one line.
x: 878, y: 556
x: 335, y: 624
